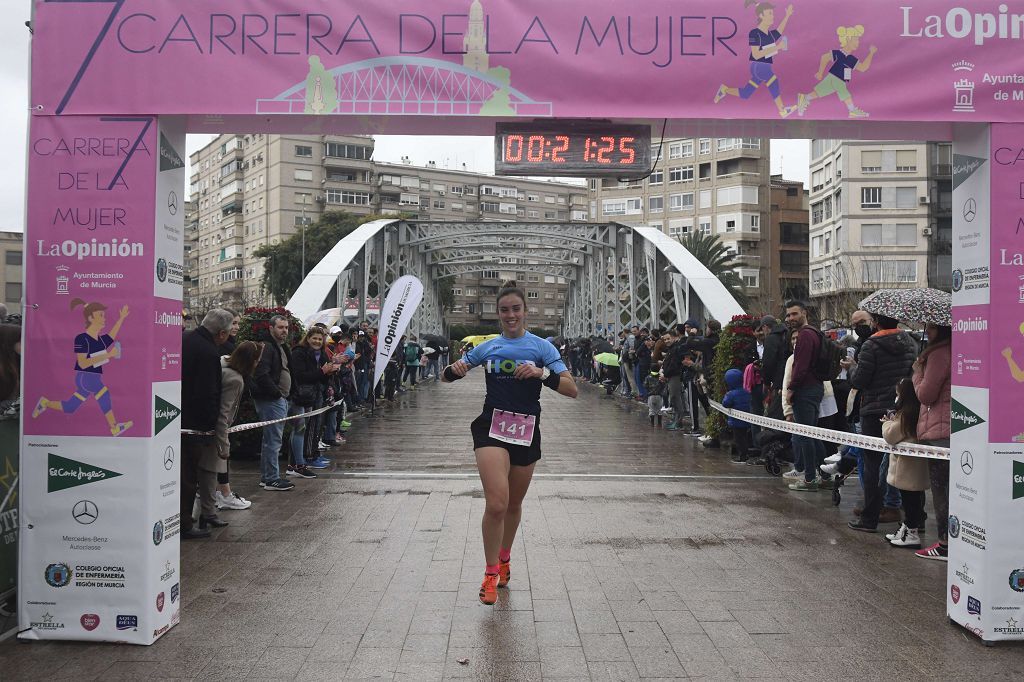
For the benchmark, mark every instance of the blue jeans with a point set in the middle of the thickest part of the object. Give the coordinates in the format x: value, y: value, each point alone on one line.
x: 267, y: 410
x: 893, y: 498
x: 638, y: 381
x: 809, y: 452
x: 430, y: 368
x: 363, y: 384
x: 298, y: 439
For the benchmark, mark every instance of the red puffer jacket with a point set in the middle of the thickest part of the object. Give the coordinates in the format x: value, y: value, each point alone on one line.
x: 931, y: 383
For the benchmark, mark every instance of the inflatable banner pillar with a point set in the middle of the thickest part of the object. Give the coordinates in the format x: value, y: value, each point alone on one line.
x: 102, y: 358
x: 986, y: 491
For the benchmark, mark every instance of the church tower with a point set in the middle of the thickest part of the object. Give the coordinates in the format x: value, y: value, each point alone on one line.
x: 474, y: 43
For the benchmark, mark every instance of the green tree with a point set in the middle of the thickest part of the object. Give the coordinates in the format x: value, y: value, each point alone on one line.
x: 282, y: 270
x: 709, y: 250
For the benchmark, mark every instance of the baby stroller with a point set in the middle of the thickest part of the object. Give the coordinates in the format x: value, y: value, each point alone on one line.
x: 776, y: 448
x: 852, y: 452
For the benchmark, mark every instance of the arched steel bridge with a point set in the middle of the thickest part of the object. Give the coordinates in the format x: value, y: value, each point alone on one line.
x: 407, y: 85
x: 618, y: 274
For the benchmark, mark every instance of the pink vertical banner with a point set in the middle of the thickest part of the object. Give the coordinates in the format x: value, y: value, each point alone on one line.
x: 89, y: 319
x: 971, y: 364
x: 1007, y: 328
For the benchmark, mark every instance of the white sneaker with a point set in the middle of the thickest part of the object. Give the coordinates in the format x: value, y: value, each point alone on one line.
x: 906, y: 537
x: 218, y: 499
x: 829, y: 469
x: 793, y: 474
x: 322, y: 446
x: 902, y: 528
x: 832, y: 459
x: 234, y: 501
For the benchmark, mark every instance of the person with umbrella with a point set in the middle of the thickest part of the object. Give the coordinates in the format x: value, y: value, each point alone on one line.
x: 506, y: 435
x: 886, y: 357
x: 611, y: 373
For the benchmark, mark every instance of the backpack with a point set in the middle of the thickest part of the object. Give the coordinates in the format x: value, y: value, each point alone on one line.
x: 825, y: 366
x: 412, y: 353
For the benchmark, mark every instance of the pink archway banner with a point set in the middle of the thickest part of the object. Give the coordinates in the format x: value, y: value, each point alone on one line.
x: 870, y: 60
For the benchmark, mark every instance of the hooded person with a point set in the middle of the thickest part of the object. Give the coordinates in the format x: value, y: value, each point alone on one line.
x: 737, y: 398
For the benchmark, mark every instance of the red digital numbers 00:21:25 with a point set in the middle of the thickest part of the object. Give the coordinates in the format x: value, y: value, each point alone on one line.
x: 605, y: 150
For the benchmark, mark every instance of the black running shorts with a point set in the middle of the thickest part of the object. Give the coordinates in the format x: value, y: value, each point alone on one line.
x: 519, y: 455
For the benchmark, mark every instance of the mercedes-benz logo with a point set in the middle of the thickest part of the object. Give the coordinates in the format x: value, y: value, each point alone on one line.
x: 967, y: 462
x: 970, y: 210
x: 172, y: 203
x: 85, y: 512
x: 169, y: 457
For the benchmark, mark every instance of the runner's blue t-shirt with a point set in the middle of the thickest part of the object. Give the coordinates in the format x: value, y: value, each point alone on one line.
x: 758, y: 38
x: 841, y: 62
x: 89, y: 346
x: 499, y: 358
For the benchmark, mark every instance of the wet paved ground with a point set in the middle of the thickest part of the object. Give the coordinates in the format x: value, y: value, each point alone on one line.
x: 372, y: 570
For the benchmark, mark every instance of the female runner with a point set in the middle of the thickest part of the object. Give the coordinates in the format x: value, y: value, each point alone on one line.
x: 506, y: 435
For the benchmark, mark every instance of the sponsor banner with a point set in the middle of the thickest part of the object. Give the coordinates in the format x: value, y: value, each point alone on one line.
x: 402, y: 300
x: 971, y: 345
x: 87, y: 296
x: 986, y: 501
x: 533, y: 58
x: 104, y: 435
x: 971, y: 217
x: 1007, y: 332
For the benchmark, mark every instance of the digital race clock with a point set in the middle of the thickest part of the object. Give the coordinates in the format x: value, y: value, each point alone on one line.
x: 572, y: 148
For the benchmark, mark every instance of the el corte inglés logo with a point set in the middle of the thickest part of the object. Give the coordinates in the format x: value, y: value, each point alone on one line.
x: 63, y: 473
x: 962, y: 418
x: 164, y: 414
x: 1018, y: 480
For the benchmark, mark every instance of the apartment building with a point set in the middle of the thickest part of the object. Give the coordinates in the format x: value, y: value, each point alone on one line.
x: 788, y: 244
x: 11, y: 270
x: 880, y: 218
x: 251, y: 190
x: 714, y: 185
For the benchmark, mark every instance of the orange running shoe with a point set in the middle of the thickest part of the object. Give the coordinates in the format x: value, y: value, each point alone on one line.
x: 489, y: 589
x: 504, y: 573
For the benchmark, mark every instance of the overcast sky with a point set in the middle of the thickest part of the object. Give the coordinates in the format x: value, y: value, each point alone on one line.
x: 788, y: 156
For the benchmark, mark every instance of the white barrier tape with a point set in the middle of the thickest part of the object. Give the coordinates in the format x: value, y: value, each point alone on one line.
x: 259, y: 425
x: 841, y: 437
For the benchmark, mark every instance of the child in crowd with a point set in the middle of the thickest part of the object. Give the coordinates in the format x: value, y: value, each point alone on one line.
x: 655, y: 395
x: 909, y: 474
x: 737, y: 398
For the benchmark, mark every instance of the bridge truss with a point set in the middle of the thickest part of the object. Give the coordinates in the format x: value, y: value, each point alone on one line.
x: 617, y: 274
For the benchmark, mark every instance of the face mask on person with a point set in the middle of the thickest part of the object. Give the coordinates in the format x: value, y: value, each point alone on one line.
x: 863, y: 330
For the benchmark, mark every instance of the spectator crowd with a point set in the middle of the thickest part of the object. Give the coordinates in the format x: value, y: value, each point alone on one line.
x: 873, y: 378
x: 328, y: 367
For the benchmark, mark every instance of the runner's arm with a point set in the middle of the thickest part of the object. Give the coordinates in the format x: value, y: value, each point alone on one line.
x: 566, y: 384
x: 865, y: 64
x: 455, y: 371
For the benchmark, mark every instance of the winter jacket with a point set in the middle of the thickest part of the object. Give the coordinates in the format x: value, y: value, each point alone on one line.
x: 232, y: 385
x: 931, y: 383
x: 776, y: 352
x: 736, y: 397
x: 200, y: 381
x: 905, y: 473
x: 306, y: 370
x: 264, y: 383
x: 884, y: 359
x: 672, y: 359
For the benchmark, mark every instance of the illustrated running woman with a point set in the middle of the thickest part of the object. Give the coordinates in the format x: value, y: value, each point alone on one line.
x: 764, y: 43
x: 841, y: 71
x: 506, y: 435
x: 92, y: 350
